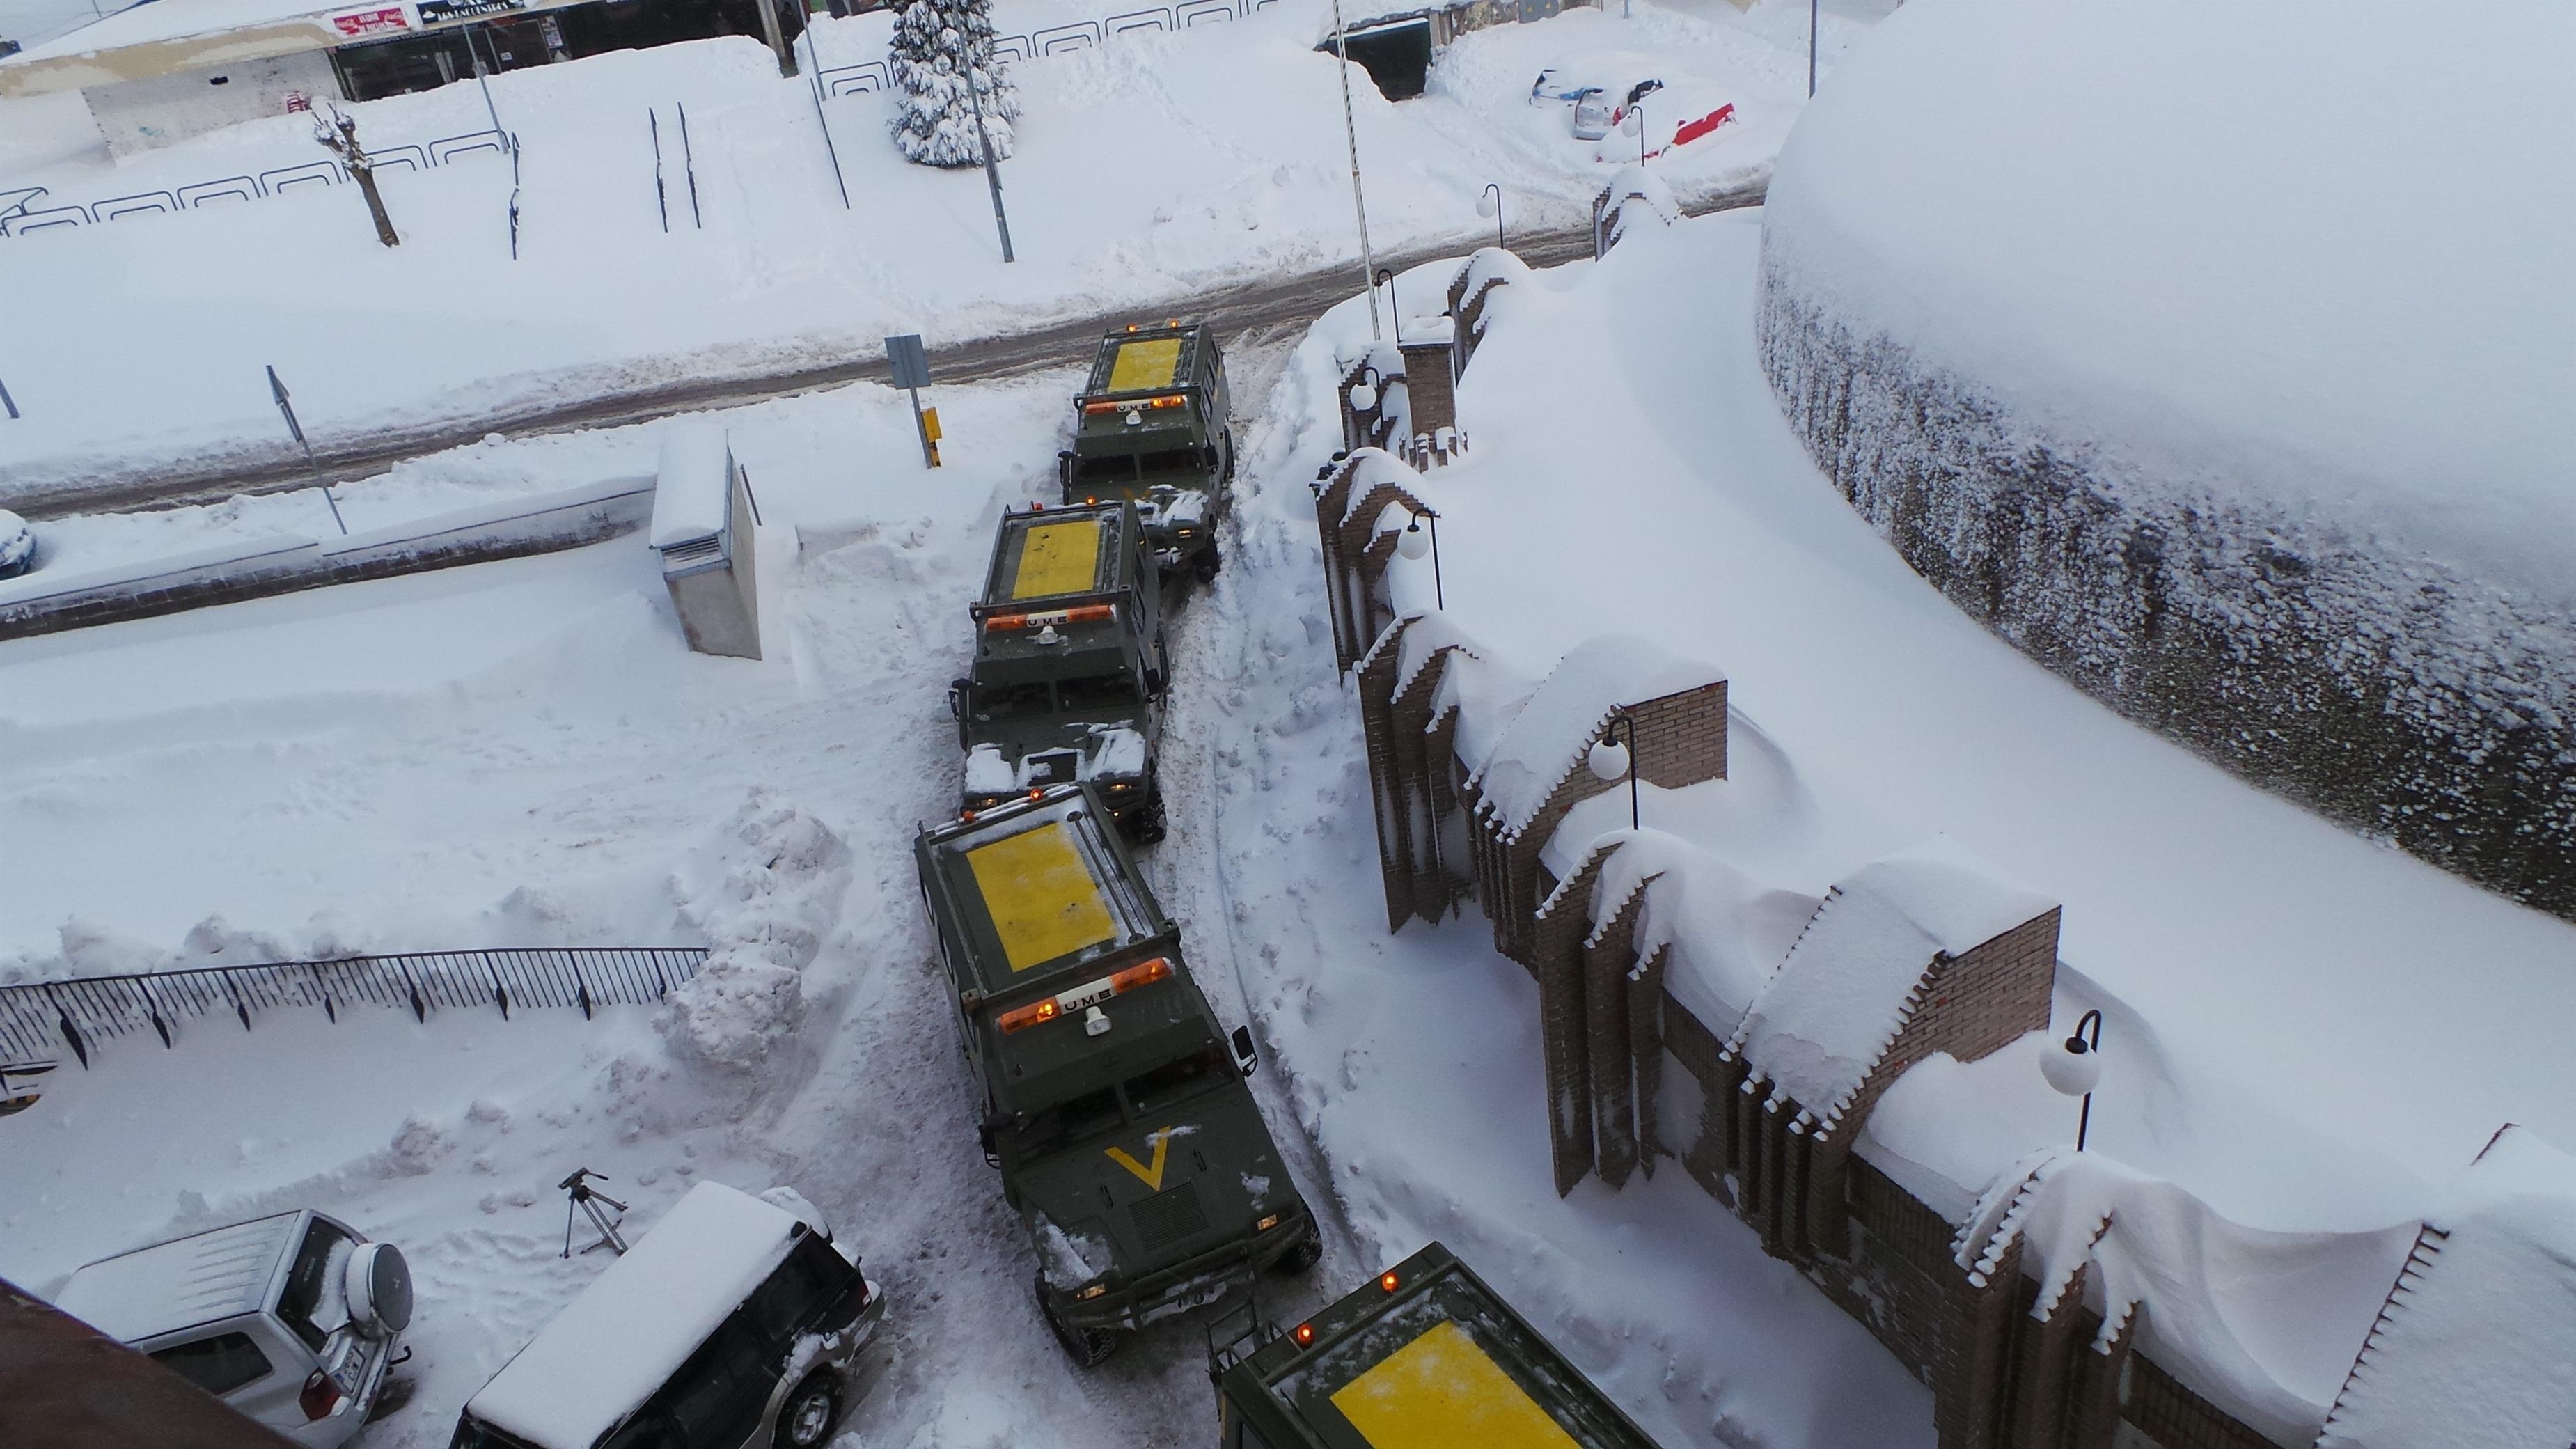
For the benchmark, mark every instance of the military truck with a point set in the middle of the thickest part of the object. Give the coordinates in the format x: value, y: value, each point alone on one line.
x: 1150, y: 425
x: 1426, y: 1357
x: 1126, y: 1137
x: 1068, y: 677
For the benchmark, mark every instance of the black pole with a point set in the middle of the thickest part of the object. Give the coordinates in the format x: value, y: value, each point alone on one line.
x: 7, y: 401
x: 1611, y: 735
x: 815, y: 49
x: 1811, y: 47
x: 1439, y: 596
x: 2089, y: 1027
x: 1394, y: 310
x: 992, y: 173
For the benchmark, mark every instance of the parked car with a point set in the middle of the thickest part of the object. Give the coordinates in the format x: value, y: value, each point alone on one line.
x: 733, y: 1324
x: 290, y: 1319
x: 17, y: 545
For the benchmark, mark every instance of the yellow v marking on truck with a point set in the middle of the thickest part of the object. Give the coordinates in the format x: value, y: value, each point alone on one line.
x: 1153, y: 1176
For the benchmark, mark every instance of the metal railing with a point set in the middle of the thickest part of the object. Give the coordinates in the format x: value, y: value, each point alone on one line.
x: 21, y: 216
x: 40, y: 1018
x: 871, y: 75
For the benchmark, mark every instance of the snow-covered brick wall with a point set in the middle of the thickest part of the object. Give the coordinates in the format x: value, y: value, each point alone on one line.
x: 2171, y: 393
x: 1722, y: 933
x: 1829, y: 1015
x: 1546, y: 741
x: 2475, y: 1339
x: 2264, y: 1324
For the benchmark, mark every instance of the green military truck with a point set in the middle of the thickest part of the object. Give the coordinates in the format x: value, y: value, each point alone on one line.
x: 1068, y: 677
x: 1150, y: 425
x: 1119, y: 1118
x: 1426, y: 1357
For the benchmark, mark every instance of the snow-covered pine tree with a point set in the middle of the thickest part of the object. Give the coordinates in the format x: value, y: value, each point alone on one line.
x: 938, y: 45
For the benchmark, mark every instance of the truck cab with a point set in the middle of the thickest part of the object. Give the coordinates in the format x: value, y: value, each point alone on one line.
x: 1111, y: 1100
x: 1424, y: 1356
x: 1068, y: 676
x: 1150, y: 425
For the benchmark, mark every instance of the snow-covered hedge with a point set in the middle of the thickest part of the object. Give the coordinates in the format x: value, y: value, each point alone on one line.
x: 2270, y: 471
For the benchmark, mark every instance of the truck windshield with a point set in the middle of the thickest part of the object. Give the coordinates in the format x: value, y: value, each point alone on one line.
x: 1171, y: 460
x: 1070, y: 1121
x: 1011, y: 701
x: 473, y: 1433
x: 1148, y: 1092
x: 1107, y: 691
x: 1113, y: 468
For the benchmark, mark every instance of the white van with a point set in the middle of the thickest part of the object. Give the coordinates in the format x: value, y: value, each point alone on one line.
x: 733, y: 1324
x: 290, y: 1319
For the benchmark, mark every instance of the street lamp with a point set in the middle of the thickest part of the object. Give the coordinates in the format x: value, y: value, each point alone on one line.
x: 2075, y: 1068
x: 1812, y: 6
x: 1636, y: 125
x: 1394, y: 305
x: 1364, y: 393
x: 1491, y: 204
x: 1351, y: 133
x: 1609, y: 760
x: 1411, y: 544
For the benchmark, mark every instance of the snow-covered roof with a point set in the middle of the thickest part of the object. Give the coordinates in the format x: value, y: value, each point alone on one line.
x: 2261, y: 1323
x: 196, y: 1279
x: 619, y: 1340
x: 2475, y: 1342
x: 693, y: 495
x: 1547, y: 737
x: 1840, y: 995
x: 1726, y: 932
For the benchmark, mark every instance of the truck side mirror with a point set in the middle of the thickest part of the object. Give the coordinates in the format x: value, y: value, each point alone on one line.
x: 957, y: 699
x: 1243, y: 1056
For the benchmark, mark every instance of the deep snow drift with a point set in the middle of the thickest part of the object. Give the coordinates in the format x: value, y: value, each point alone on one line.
x: 2153, y: 337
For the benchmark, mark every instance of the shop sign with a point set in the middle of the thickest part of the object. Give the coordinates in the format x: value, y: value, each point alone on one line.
x: 433, y: 12
x: 375, y: 21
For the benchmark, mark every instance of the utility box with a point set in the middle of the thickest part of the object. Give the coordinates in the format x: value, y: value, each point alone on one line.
x: 703, y: 528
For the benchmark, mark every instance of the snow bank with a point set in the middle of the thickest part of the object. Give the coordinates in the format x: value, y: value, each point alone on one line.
x: 2500, y: 1250
x: 2275, y: 465
x: 784, y: 874
x: 1840, y: 995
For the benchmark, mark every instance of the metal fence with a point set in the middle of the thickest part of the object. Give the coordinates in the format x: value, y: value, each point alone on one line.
x: 24, y: 210
x: 871, y: 75
x: 42, y: 1018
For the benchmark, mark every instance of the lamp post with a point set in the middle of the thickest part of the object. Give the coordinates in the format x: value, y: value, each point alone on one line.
x: 1609, y: 760
x: 1637, y: 122
x: 1410, y: 544
x: 1366, y: 391
x: 1812, y: 6
x: 2075, y: 1068
x: 1491, y: 204
x: 1351, y: 133
x: 1394, y: 305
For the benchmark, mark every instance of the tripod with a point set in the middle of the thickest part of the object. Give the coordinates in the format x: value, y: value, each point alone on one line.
x: 582, y: 1198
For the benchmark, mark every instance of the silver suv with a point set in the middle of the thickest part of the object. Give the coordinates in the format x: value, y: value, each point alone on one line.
x: 290, y: 1319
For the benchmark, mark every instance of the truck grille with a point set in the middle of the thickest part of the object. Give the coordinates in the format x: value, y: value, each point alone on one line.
x: 1169, y: 1216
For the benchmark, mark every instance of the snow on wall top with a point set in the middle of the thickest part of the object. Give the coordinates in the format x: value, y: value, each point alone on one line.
x: 617, y: 1341
x: 1546, y: 738
x: 1726, y: 932
x: 1490, y: 264
x: 2475, y: 1344
x: 1840, y: 995
x: 693, y: 495
x: 2261, y: 1323
x: 2355, y: 357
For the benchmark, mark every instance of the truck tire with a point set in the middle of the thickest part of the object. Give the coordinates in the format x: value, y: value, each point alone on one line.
x: 1228, y: 444
x: 805, y: 1420
x: 1088, y: 1347
x: 1301, y: 1257
x: 1204, y: 563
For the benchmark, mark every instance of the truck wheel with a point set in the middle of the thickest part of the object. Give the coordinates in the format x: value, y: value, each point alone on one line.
x: 1151, y: 822
x: 1089, y: 1347
x: 805, y: 1420
x: 1228, y: 435
x: 1301, y: 1257
x: 1204, y: 563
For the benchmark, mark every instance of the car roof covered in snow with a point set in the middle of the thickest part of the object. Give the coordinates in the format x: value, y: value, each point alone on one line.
x: 202, y: 1278
x: 620, y: 1339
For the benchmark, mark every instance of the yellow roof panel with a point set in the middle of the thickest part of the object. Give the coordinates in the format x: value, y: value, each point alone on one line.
x: 1058, y: 558
x: 1441, y: 1391
x: 1041, y: 896
x: 1145, y: 365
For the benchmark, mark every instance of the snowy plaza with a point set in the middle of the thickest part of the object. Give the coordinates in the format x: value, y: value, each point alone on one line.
x: 1906, y: 760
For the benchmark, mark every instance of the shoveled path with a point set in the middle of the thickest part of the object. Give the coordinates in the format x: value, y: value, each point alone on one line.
x: 1236, y: 310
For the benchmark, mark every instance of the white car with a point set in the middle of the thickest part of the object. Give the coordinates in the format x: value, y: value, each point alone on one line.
x: 290, y: 1319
